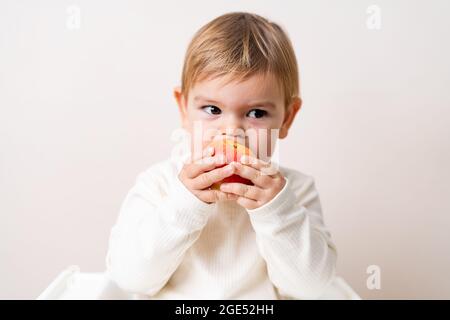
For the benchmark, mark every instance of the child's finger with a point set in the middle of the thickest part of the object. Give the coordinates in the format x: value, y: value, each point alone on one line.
x: 216, y: 195
x: 207, y: 179
x: 254, y: 175
x: 247, y: 203
x: 265, y: 167
x: 205, y: 164
x: 243, y: 190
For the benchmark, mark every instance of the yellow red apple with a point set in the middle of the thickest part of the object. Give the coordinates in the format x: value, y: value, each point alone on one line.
x: 233, y: 151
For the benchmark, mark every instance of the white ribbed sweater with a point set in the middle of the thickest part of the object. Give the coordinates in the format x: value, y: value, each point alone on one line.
x: 168, y: 244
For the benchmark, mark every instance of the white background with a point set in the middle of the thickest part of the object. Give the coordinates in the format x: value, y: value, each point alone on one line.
x: 84, y: 110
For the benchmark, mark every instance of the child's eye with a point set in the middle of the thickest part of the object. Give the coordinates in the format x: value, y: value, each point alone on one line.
x: 257, y: 113
x: 211, y: 109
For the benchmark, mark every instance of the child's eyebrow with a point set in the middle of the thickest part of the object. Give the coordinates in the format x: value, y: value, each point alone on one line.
x: 261, y: 103
x: 205, y: 99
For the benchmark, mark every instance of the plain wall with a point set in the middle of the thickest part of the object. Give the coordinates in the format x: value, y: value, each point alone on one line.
x: 86, y: 107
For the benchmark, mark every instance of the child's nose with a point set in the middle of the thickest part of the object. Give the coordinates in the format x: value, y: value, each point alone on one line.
x: 233, y: 126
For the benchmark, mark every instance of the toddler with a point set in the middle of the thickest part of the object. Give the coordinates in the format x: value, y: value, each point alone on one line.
x: 260, y: 236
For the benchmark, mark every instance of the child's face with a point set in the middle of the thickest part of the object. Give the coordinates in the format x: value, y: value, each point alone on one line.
x: 252, y: 111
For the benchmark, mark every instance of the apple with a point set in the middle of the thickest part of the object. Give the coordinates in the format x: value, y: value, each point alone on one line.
x: 233, y: 151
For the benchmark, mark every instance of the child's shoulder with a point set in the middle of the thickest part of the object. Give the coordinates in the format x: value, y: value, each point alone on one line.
x: 159, y: 175
x: 297, y: 179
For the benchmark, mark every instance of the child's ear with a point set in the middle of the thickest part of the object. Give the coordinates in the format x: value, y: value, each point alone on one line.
x: 182, y: 105
x: 291, y: 111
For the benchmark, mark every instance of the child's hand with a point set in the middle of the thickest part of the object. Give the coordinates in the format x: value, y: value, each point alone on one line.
x: 266, y: 179
x: 199, y: 174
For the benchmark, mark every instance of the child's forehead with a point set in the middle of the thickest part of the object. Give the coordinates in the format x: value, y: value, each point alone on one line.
x: 255, y: 87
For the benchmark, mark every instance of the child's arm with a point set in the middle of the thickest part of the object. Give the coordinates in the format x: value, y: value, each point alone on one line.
x: 152, y: 234
x: 293, y: 240
x: 157, y: 226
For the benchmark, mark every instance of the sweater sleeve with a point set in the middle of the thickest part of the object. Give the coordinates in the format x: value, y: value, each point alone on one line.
x: 294, y: 242
x: 152, y: 234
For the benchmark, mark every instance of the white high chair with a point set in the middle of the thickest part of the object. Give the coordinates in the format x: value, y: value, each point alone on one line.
x: 71, y: 284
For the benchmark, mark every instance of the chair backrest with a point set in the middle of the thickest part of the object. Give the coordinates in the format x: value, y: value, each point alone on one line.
x: 71, y: 284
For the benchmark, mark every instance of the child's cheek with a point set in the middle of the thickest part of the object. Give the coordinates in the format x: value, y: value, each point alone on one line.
x: 263, y: 147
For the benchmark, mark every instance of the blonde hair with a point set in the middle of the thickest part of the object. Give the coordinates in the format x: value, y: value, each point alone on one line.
x: 241, y: 44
